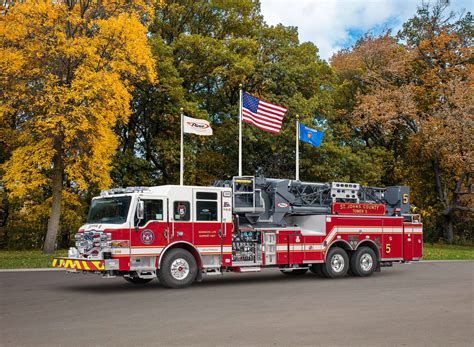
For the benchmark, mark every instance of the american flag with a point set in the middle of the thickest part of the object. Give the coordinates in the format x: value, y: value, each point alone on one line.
x: 262, y: 114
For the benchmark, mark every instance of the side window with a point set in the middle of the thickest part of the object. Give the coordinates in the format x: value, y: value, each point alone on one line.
x: 153, y: 211
x: 206, y: 206
x: 182, y: 211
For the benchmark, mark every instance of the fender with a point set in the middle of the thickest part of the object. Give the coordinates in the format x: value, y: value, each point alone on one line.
x: 374, y: 247
x: 347, y: 246
x: 171, y: 245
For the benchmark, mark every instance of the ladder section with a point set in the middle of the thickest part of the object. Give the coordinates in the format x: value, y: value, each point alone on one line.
x: 247, y: 198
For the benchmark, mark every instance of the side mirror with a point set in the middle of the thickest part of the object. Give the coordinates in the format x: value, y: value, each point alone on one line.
x: 140, y: 210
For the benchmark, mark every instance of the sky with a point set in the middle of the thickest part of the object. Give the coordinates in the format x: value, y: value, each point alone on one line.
x: 335, y: 24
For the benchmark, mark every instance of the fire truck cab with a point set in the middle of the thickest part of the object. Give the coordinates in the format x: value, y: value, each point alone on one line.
x: 179, y: 233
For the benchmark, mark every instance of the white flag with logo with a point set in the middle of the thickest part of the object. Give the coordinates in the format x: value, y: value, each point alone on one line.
x: 197, y: 126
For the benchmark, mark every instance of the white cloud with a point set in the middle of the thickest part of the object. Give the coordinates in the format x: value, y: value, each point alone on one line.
x: 329, y: 23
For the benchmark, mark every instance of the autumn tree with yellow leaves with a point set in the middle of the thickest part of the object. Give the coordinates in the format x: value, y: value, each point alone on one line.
x: 67, y: 73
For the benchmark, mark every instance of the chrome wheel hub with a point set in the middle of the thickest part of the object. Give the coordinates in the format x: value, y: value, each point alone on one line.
x: 179, y: 269
x: 337, y: 263
x: 366, y: 262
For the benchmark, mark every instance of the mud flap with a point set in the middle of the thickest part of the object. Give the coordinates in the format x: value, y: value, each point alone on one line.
x: 377, y: 269
x: 198, y: 277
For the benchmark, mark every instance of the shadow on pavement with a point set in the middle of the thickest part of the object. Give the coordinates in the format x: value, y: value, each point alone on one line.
x: 214, y: 281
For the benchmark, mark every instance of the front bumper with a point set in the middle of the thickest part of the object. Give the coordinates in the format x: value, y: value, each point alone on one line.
x: 79, y: 264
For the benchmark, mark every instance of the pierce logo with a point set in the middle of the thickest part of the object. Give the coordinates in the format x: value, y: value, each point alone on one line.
x: 282, y: 205
x: 147, y: 237
x: 199, y: 126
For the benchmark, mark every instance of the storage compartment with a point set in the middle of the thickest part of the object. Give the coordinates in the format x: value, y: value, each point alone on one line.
x: 269, y: 246
x: 246, y: 247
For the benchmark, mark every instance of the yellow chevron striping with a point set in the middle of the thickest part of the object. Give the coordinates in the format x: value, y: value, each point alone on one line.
x: 98, y: 265
x: 55, y: 262
x: 69, y: 264
x: 77, y: 264
x: 85, y: 266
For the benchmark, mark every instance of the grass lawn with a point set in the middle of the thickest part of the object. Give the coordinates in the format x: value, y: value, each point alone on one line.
x: 36, y: 259
x: 447, y: 252
x: 27, y: 259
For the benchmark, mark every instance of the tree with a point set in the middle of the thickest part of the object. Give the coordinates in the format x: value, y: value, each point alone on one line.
x: 206, y: 49
x: 414, y: 97
x: 67, y: 71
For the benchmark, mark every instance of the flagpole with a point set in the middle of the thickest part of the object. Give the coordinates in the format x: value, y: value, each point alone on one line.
x: 181, y: 157
x: 240, y: 129
x: 297, y: 147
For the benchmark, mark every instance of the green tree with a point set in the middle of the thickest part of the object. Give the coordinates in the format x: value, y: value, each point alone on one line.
x: 206, y: 49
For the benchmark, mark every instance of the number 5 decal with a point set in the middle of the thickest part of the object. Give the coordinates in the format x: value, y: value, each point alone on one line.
x: 405, y: 198
x: 388, y: 248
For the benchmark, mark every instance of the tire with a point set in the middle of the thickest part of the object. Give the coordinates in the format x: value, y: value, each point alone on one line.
x: 178, y: 269
x: 317, y: 269
x: 363, y: 262
x: 137, y: 280
x: 337, y: 263
x: 295, y: 272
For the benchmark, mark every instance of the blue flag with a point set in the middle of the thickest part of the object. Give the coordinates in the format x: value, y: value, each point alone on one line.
x: 312, y: 136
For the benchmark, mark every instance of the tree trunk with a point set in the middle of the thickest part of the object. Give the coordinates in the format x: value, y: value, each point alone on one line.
x: 57, y: 185
x: 448, y: 227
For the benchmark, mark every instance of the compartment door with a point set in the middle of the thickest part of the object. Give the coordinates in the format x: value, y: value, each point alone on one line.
x: 282, y: 248
x: 417, y: 241
x: 296, y: 248
x: 392, y: 240
x: 408, y: 242
x: 269, y: 246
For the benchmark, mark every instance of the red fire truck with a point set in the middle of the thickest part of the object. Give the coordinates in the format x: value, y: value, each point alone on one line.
x: 179, y: 233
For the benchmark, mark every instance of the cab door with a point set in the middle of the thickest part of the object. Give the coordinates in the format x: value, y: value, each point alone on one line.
x: 181, y: 225
x: 208, y: 224
x: 151, y: 234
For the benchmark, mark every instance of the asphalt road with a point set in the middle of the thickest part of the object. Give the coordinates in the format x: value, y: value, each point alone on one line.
x: 413, y: 304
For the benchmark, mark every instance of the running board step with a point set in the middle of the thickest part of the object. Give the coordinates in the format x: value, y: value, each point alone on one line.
x: 248, y: 269
x: 212, y: 271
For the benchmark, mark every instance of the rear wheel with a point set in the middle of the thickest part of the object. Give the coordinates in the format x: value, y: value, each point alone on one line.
x: 363, y: 262
x: 337, y: 263
x: 295, y: 272
x: 178, y: 269
x: 137, y: 280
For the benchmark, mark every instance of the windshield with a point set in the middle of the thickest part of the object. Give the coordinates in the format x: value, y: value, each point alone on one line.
x: 109, y: 210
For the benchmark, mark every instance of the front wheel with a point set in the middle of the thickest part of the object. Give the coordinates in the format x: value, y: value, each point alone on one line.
x: 178, y: 269
x: 337, y: 263
x: 363, y: 262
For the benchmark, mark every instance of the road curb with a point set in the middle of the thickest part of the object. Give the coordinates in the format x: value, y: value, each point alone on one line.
x: 442, y: 261
x: 31, y: 270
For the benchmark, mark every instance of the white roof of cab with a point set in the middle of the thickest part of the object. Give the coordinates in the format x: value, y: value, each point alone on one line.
x: 165, y: 191
x: 169, y: 189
